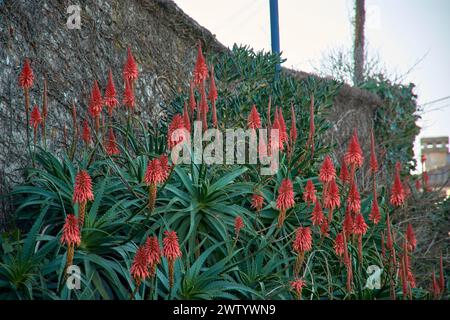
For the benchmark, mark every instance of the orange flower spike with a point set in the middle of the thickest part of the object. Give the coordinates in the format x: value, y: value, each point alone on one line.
x: 285, y: 199
x: 110, y: 94
x: 200, y: 69
x: 130, y: 69
x: 26, y: 77
x: 171, y: 250
x: 254, y: 119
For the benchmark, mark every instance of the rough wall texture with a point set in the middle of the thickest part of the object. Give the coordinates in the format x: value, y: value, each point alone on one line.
x: 163, y: 40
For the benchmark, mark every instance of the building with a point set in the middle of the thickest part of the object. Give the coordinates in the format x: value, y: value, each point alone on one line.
x: 437, y: 163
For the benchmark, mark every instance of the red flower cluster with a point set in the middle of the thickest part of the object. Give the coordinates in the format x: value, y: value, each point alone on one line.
x: 297, y: 285
x: 200, y: 69
x: 397, y: 191
x: 317, y: 216
x: 130, y: 69
x: 303, y: 240
x: 171, y: 250
x: 177, y: 131
x: 327, y: 171
x: 71, y: 231
x: 83, y: 187
x: 36, y: 118
x: 139, y: 268
x: 110, y: 94
x: 238, y: 225
x: 309, y: 196
x: 354, y: 156
x: 331, y: 199
x: 354, y: 199
x: 257, y: 202
x: 285, y: 198
x: 157, y: 170
x: 26, y: 76
x: 254, y: 119
x: 111, y: 145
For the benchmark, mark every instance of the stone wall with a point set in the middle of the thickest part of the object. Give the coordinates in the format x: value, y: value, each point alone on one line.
x: 163, y: 40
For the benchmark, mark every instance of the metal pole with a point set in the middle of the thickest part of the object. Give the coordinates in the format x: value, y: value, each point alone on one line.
x: 275, y: 30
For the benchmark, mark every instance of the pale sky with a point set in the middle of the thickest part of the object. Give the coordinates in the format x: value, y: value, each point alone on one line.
x: 400, y: 32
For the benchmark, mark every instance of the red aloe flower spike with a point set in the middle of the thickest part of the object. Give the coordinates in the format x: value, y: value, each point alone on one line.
x: 153, y: 254
x: 212, y: 94
x: 360, y: 226
x: 303, y: 240
x: 302, y: 244
x: 276, y: 126
x: 354, y: 156
x: 110, y: 94
x: 309, y: 196
x: 154, y: 173
x: 111, y: 145
x: 200, y: 69
x: 397, y: 192
x: 317, y: 214
x: 165, y: 168
x: 373, y: 156
x: 348, y: 223
x: 354, y: 199
x: 344, y: 174
x: 238, y: 225
x: 187, y: 121
x: 139, y: 268
x: 332, y: 198
x: 324, y: 228
x: 339, y: 244
x: 171, y: 250
x: 283, y: 129
x: 285, y: 199
x: 70, y: 236
x: 310, y: 142
x: 293, y: 132
x: 297, y: 285
x: 130, y: 69
x: 257, y: 202
x: 327, y: 171
x: 83, y: 187
x: 96, y: 102
x: 375, y: 215
x: 86, y: 133
x: 71, y: 232
x: 26, y: 76
x: 410, y: 238
x: 36, y: 118
x: 128, y: 96
x: 254, y: 119
x: 173, y: 138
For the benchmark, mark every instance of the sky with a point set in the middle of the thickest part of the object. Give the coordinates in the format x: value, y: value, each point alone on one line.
x: 410, y: 37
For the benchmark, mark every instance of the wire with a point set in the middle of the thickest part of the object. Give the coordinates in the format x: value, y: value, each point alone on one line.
x: 434, y: 101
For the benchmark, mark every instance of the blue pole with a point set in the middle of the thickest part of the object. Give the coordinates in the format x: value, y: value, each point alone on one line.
x: 275, y: 30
